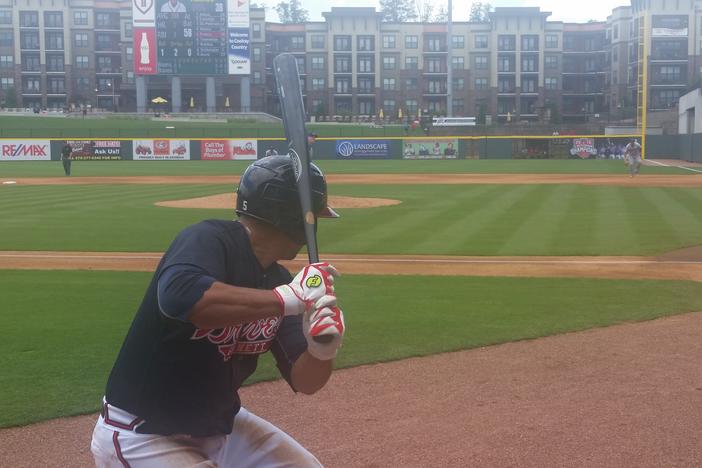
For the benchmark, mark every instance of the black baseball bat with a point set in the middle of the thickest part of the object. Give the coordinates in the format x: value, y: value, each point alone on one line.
x: 293, y: 111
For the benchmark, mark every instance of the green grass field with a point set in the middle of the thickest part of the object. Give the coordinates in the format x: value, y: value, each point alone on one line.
x: 62, y: 329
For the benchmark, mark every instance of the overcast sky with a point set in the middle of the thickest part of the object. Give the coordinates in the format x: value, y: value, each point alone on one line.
x: 561, y: 10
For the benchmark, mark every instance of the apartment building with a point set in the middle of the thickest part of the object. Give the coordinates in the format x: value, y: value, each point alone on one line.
x: 517, y: 65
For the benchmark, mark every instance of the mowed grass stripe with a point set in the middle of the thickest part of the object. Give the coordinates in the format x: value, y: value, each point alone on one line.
x: 663, y: 207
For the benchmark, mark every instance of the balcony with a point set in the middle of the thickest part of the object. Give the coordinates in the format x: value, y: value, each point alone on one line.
x: 435, y: 71
x: 31, y: 91
x: 108, y: 71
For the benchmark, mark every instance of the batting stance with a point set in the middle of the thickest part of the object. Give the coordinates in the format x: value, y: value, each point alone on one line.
x: 633, y: 155
x: 217, y: 301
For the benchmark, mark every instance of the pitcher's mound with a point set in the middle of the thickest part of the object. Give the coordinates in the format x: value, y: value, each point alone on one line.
x: 228, y: 201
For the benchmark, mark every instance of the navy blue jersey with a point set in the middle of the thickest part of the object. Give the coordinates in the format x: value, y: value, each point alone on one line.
x: 183, y: 380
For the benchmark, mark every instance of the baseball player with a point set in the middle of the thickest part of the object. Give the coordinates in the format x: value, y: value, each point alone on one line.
x: 217, y: 301
x: 632, y: 153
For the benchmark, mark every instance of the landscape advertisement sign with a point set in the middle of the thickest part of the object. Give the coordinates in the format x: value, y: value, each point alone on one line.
x: 215, y: 150
x: 430, y: 149
x: 362, y: 149
x: 25, y: 150
x: 157, y: 150
x: 95, y: 150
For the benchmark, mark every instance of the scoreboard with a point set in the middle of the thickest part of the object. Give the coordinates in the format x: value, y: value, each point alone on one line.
x: 191, y: 37
x: 193, y: 42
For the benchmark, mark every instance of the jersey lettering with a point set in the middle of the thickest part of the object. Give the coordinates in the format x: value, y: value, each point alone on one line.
x: 248, y: 338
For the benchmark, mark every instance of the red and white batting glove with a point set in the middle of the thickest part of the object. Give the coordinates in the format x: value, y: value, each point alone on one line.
x: 311, y: 284
x: 326, y: 320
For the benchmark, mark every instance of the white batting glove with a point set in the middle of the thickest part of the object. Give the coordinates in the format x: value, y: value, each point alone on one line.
x: 311, y: 284
x: 326, y: 321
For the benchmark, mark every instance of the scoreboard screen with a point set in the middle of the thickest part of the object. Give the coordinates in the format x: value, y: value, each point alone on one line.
x: 191, y: 37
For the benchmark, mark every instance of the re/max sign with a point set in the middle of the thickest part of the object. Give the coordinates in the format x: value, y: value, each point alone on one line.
x: 25, y: 150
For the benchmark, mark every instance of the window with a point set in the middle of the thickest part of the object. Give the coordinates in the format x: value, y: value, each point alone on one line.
x: 615, y: 54
x: 256, y: 78
x: 104, y: 64
x: 670, y: 74
x: 434, y: 44
x: 411, y: 42
x: 30, y: 63
x: 83, y: 82
x: 31, y: 84
x: 318, y: 41
x: 411, y: 106
x: 457, y: 63
x: 342, y: 64
x: 128, y: 29
x: 389, y: 106
x: 389, y: 84
x: 318, y: 62
x: 505, y: 85
x: 29, y: 40
x: 7, y: 39
x: 550, y: 83
x: 342, y: 106
x: 529, y: 85
x: 665, y: 98
x: 7, y: 83
x: 590, y: 65
x: 529, y: 63
x: 256, y: 54
x: 433, y: 65
x: 481, y: 62
x: 481, y: 41
x: 365, y: 64
x: 459, y: 84
x: 82, y: 61
x: 298, y: 42
x: 80, y: 39
x: 365, y: 107
x: 388, y: 63
x: 616, y: 31
x: 318, y: 84
x: 366, y: 43
x: 458, y: 106
x: 342, y: 85
x: 481, y: 83
x: 551, y: 62
x: 7, y: 61
x: 5, y: 16
x: 129, y: 53
x: 55, y: 85
x: 301, y: 66
x: 54, y: 40
x: 388, y: 41
x: 505, y: 63
x: 410, y: 84
x: 530, y: 42
x: 436, y: 87
x: 342, y: 42
x: 256, y: 30
x: 458, y: 42
x: 54, y: 63
x: 366, y: 85
x: 53, y: 19
x: 506, y: 42
x: 80, y: 18
x: 411, y: 63
x: 29, y: 19
x: 551, y: 41
x: 105, y: 20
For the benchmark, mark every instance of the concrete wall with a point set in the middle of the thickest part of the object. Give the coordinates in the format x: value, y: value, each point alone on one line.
x: 690, y: 112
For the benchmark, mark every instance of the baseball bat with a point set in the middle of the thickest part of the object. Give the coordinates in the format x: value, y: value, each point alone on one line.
x: 293, y: 112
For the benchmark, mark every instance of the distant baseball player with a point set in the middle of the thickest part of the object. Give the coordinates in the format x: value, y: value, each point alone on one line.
x: 632, y: 153
x: 217, y: 301
x: 66, y: 154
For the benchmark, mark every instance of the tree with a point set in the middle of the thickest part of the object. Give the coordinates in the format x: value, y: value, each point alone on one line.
x: 480, y: 12
x: 292, y: 12
x: 10, y: 98
x: 442, y: 15
x: 398, y: 11
x: 425, y: 10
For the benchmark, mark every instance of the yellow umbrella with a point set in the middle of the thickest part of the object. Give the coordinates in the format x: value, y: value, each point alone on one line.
x: 192, y: 102
x: 226, y: 102
x: 159, y: 100
x: 509, y: 117
x: 399, y: 113
x: 380, y: 114
x: 419, y: 112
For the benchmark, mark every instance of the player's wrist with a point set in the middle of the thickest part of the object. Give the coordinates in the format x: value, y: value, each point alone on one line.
x: 289, y: 302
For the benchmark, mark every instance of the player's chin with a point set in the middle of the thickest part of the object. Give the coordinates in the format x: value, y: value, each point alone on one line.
x: 293, y: 248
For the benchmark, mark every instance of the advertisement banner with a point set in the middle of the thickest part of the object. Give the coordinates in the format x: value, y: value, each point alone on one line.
x: 145, y: 51
x: 25, y: 150
x: 430, y: 149
x: 583, y: 148
x: 161, y: 150
x: 238, y: 48
x: 96, y: 150
x: 217, y: 150
x: 362, y: 149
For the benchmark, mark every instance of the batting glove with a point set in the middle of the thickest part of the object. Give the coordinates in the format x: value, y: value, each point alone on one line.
x: 327, y: 320
x: 311, y: 284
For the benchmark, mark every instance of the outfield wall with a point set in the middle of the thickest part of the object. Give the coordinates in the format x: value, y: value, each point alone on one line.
x: 411, y: 148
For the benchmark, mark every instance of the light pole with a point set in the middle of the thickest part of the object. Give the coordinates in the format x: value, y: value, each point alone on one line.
x: 110, y: 84
x: 449, y: 75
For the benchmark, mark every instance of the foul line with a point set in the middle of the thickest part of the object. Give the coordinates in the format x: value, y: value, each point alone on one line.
x: 668, y: 165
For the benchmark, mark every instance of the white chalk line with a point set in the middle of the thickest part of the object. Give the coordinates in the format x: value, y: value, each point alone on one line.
x: 668, y: 165
x: 564, y: 262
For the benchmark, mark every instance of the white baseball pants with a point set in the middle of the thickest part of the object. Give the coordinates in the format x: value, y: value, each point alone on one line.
x: 254, y: 442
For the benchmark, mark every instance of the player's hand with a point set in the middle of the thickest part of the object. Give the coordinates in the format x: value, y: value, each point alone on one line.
x: 327, y: 321
x: 311, y: 284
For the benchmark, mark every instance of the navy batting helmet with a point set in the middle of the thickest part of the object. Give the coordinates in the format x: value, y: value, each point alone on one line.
x: 268, y: 192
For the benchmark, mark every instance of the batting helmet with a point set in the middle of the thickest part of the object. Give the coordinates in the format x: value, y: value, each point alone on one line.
x: 268, y: 192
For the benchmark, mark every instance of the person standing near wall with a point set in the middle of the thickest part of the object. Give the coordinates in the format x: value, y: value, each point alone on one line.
x: 632, y: 153
x: 66, y: 152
